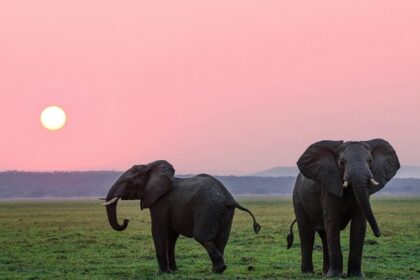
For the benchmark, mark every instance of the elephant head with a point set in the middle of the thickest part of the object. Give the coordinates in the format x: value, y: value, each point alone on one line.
x: 145, y: 182
x: 365, y: 167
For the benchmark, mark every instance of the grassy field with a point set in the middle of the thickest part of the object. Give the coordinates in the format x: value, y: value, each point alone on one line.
x: 72, y: 240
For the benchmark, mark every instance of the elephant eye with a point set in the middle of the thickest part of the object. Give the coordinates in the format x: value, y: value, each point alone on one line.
x: 341, y: 163
x: 370, y: 162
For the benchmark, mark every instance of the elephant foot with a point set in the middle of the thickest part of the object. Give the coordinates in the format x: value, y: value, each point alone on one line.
x: 325, y: 271
x: 173, y: 267
x: 355, y: 273
x: 334, y: 273
x: 165, y: 270
x: 219, y: 268
x: 307, y: 268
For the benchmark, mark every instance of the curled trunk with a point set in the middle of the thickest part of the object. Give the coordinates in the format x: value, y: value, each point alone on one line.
x: 362, y: 197
x: 111, y: 211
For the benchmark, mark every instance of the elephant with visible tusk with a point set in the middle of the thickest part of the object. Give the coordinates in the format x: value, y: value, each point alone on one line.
x: 333, y: 188
x: 199, y: 207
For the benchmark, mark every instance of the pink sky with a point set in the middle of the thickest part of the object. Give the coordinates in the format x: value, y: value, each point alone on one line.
x: 223, y: 87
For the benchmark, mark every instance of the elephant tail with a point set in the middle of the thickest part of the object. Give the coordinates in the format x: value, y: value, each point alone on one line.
x: 290, y: 236
x: 257, y: 227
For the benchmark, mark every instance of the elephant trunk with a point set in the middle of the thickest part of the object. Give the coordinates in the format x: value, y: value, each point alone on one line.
x: 111, y: 210
x: 362, y: 197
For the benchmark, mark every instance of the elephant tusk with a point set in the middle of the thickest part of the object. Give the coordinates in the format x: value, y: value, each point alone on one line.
x: 346, y: 184
x: 110, y: 201
x: 374, y: 182
x: 101, y: 198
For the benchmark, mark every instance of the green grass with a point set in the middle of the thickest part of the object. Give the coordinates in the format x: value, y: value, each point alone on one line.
x: 72, y: 240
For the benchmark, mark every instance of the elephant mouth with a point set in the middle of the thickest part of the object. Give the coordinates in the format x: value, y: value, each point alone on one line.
x: 372, y: 181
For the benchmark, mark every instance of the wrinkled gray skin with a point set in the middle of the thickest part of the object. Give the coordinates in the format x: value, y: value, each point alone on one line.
x: 323, y: 204
x: 198, y: 207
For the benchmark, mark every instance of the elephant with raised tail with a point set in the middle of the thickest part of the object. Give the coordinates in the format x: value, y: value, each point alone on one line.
x: 333, y: 188
x: 198, y: 207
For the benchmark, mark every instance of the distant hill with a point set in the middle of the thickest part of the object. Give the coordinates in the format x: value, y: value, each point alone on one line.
x: 408, y: 172
x: 56, y: 184
x: 281, y: 171
x: 15, y: 184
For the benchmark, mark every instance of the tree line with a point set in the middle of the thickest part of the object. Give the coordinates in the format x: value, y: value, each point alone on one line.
x: 17, y: 184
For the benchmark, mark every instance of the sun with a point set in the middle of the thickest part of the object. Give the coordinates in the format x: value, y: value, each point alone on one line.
x: 53, y: 118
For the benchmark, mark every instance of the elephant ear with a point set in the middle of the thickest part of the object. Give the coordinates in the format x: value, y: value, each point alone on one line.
x: 159, y: 182
x: 319, y: 163
x: 385, y: 163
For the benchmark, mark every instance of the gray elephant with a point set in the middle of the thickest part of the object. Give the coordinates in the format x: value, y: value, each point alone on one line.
x: 198, y: 207
x: 333, y: 188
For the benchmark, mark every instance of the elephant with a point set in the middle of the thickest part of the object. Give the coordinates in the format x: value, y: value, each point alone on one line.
x: 333, y: 188
x: 199, y: 207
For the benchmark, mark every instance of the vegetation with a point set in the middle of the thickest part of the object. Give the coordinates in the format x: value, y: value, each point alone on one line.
x: 65, y: 239
x: 16, y: 184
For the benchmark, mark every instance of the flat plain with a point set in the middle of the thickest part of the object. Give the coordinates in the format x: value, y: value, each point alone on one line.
x: 71, y: 239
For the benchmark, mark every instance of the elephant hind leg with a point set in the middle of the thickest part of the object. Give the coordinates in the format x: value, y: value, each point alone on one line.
x: 307, y: 237
x: 326, y: 260
x: 224, y: 232
x: 206, y: 230
x: 307, y: 246
x: 216, y: 257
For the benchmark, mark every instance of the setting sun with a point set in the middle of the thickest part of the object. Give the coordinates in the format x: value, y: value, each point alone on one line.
x: 53, y: 118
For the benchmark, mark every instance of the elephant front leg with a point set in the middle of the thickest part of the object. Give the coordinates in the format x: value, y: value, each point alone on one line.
x: 335, y: 255
x: 332, y: 221
x: 325, y: 259
x: 357, y: 239
x: 171, y: 250
x: 160, y: 239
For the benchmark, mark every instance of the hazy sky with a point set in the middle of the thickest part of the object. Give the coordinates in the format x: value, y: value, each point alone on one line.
x: 226, y: 87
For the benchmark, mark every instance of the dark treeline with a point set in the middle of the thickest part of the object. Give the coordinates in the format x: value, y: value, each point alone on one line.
x: 16, y: 184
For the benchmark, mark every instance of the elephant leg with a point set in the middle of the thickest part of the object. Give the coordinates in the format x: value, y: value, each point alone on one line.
x: 216, y: 257
x: 334, y: 253
x: 325, y: 259
x: 206, y: 230
x: 332, y: 223
x: 160, y: 239
x: 357, y: 240
x: 307, y: 237
x: 224, y: 232
x: 173, y: 236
